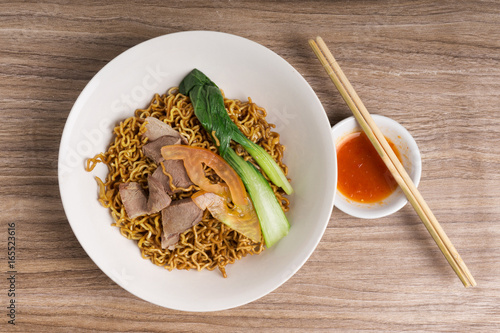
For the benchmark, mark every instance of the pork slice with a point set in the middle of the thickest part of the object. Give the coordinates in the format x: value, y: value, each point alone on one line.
x: 134, y: 199
x: 158, y: 197
x: 155, y: 129
x: 178, y: 172
x: 153, y: 149
x: 176, y: 219
x: 162, y: 178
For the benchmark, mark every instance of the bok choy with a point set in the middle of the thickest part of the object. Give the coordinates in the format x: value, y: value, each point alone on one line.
x: 208, y: 104
x: 209, y: 109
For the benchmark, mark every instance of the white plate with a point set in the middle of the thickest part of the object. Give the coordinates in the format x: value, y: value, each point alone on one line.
x: 241, y: 68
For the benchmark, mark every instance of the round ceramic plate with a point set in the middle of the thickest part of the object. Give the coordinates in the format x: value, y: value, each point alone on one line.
x: 243, y: 69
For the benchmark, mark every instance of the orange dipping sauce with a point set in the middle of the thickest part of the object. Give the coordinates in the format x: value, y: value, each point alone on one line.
x: 362, y: 175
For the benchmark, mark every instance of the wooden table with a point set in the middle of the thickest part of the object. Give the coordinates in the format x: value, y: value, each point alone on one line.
x: 434, y: 66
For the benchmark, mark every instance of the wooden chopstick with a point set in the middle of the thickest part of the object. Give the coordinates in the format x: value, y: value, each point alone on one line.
x: 389, y: 157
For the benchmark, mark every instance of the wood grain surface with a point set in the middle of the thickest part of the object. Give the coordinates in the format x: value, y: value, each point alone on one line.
x: 433, y: 66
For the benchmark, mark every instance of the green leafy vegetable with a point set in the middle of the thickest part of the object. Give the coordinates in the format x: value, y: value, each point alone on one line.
x: 208, y: 104
x: 209, y: 108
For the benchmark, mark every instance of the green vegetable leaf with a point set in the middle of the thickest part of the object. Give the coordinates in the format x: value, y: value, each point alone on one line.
x: 208, y: 104
x: 273, y: 222
x: 209, y: 109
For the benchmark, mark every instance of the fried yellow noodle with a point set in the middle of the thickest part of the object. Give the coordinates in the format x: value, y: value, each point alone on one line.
x: 210, y: 244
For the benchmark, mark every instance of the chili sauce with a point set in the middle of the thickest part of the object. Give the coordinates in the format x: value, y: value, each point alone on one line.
x: 362, y: 175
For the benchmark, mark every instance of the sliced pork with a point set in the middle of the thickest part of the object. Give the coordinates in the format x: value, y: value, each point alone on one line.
x: 155, y: 128
x: 134, y: 199
x: 177, y: 216
x: 158, y: 197
x: 161, y: 134
x: 137, y: 202
x: 176, y: 219
x: 153, y: 149
x: 176, y: 169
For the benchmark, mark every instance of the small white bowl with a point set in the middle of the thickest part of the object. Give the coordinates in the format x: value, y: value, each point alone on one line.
x: 412, y: 163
